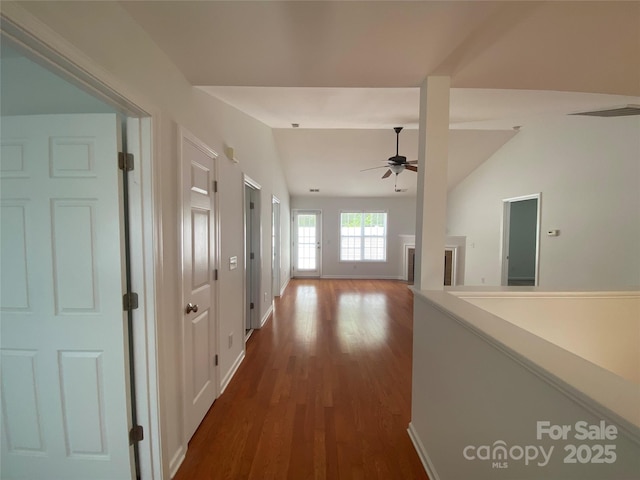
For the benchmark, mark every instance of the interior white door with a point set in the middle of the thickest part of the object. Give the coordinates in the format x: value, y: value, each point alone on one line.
x: 199, y: 296
x: 307, y: 243
x: 65, y: 405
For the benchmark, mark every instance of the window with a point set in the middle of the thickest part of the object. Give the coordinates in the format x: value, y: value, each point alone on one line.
x: 363, y: 236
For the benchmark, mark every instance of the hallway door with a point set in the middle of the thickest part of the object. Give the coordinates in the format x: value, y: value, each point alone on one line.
x: 65, y: 400
x: 198, y: 277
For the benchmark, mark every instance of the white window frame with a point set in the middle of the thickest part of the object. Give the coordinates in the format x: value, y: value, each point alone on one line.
x: 362, y: 236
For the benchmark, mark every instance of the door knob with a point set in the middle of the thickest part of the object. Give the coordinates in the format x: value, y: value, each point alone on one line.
x: 192, y: 308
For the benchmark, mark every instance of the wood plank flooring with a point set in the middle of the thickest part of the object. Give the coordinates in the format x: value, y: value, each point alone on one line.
x: 323, y: 393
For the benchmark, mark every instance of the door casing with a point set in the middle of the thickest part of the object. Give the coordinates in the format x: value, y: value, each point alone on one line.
x: 253, y: 244
x: 294, y: 250
x: 23, y: 29
x: 276, y: 252
x: 505, y: 230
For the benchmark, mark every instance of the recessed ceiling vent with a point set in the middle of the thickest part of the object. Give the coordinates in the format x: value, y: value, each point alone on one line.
x: 625, y: 111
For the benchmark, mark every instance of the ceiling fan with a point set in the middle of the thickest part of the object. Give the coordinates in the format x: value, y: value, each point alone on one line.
x: 397, y: 163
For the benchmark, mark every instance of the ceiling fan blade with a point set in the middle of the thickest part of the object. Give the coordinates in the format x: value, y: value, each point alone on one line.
x: 412, y: 168
x: 387, y: 173
x: 413, y: 162
x: 373, y: 168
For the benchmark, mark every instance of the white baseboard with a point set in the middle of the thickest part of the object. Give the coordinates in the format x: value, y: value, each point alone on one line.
x: 284, y: 287
x: 176, y: 461
x: 232, y: 371
x: 265, y: 317
x: 422, y: 453
x: 363, y: 277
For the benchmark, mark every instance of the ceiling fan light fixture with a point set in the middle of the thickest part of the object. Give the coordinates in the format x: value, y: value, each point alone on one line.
x: 396, y: 168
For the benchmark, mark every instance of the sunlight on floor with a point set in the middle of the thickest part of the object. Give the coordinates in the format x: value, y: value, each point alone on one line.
x: 361, y: 320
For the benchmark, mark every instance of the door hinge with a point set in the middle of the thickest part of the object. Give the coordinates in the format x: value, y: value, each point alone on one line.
x: 215, y: 186
x: 251, y: 205
x: 215, y: 360
x: 129, y: 301
x: 125, y: 161
x: 251, y: 306
x: 136, y: 434
x: 251, y: 256
x: 215, y: 274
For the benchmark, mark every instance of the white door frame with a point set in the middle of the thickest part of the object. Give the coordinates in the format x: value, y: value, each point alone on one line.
x: 53, y: 51
x: 257, y: 271
x: 505, y: 224
x: 275, y: 247
x: 454, y: 263
x: 294, y: 247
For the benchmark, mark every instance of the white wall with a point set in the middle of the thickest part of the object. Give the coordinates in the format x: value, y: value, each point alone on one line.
x: 602, y: 328
x: 588, y: 171
x: 478, y: 380
x: 400, y: 221
x: 107, y: 34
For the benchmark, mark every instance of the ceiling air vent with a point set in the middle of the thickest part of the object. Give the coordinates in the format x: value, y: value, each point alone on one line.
x: 625, y: 111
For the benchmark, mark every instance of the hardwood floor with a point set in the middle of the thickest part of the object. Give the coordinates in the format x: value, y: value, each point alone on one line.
x: 323, y: 393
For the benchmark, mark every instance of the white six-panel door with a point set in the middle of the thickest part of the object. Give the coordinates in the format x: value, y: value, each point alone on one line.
x: 65, y: 409
x: 198, y: 268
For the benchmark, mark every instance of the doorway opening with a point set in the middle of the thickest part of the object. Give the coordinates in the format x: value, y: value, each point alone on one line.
x: 252, y: 254
x: 521, y: 240
x: 64, y: 183
x: 307, y: 234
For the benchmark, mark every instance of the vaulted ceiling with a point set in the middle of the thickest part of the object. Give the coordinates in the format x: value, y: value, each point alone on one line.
x: 348, y: 71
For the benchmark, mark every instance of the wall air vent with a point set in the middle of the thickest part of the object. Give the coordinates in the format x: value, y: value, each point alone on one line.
x: 625, y: 111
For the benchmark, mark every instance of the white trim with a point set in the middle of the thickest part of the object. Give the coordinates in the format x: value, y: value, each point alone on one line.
x: 422, y: 453
x: 57, y: 54
x: 249, y: 182
x: 265, y: 317
x: 60, y: 56
x: 176, y: 461
x: 276, y: 246
x: 363, y: 277
x: 141, y: 193
x: 454, y: 263
x: 232, y: 371
x: 496, y: 292
x: 284, y: 287
x: 405, y: 262
x: 504, y: 234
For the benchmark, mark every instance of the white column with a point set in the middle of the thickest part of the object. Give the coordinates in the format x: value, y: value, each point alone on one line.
x: 433, y: 156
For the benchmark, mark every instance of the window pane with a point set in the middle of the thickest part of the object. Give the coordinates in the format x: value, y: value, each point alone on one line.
x: 363, y: 236
x: 306, y: 242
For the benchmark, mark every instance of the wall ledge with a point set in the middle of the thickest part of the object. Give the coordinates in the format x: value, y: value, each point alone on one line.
x: 595, y: 388
x: 536, y: 292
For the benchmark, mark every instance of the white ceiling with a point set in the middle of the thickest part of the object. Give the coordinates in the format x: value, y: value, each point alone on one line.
x: 348, y: 71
